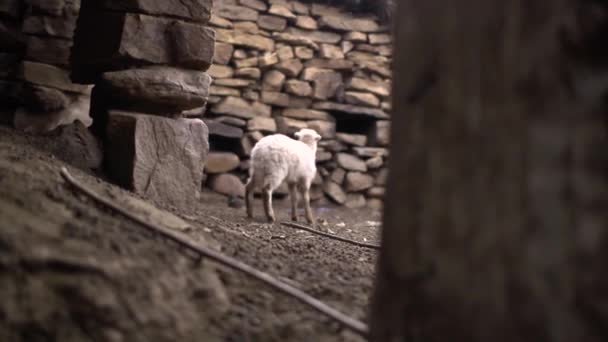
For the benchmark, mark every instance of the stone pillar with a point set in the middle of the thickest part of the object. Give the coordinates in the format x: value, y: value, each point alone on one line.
x: 147, y: 60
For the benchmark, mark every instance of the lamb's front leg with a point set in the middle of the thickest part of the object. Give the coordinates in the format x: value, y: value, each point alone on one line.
x: 268, y: 205
x: 293, y: 195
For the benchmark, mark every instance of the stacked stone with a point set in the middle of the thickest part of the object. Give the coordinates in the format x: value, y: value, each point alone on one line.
x: 283, y: 65
x: 147, y: 60
x: 34, y: 81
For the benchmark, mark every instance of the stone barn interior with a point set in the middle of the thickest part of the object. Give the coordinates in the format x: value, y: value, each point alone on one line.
x: 156, y: 106
x: 126, y: 134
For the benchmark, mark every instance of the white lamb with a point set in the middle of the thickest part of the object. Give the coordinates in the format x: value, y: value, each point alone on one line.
x: 277, y: 158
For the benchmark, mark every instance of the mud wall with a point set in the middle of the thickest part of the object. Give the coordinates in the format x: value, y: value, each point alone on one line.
x: 284, y: 65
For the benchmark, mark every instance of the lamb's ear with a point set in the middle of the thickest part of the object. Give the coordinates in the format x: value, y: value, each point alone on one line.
x: 297, y: 135
x: 317, y: 137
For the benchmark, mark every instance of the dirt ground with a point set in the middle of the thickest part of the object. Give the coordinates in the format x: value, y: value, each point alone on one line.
x: 71, y: 270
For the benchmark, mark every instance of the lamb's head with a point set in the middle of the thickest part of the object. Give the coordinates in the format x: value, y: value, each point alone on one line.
x: 308, y: 136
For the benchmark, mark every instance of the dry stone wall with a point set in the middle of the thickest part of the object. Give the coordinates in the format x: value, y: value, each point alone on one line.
x: 283, y: 65
x: 36, y: 92
x: 147, y: 61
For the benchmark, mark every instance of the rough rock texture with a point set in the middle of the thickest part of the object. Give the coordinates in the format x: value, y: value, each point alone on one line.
x: 160, y: 158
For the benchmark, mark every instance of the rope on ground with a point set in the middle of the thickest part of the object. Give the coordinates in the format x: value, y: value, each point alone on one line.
x: 331, y: 236
x: 346, y: 321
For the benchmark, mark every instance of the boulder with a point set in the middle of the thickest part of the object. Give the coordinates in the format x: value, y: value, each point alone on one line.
x: 290, y: 67
x: 268, y: 59
x: 325, y: 82
x: 262, y: 124
x: 251, y: 41
x: 253, y: 73
x: 275, y: 98
x: 223, y: 91
x: 306, y: 114
x: 48, y: 50
x: 157, y: 89
x: 159, y: 158
x: 374, y: 163
x: 335, y: 64
x: 337, y: 176
x: 227, y: 184
x: 223, y: 53
x: 281, y: 11
x: 306, y: 22
x: 361, y: 99
x: 355, y: 201
x: 43, y: 99
x: 357, y: 181
x: 355, y: 36
x: 220, y: 71
x: 378, y: 88
x: 334, y: 192
x: 220, y: 162
x: 233, y: 12
x: 344, y: 23
x: 273, y: 80
x: 350, y: 162
x: 381, y: 133
x: 379, y: 38
x: 330, y: 51
x: 302, y: 52
x: 233, y: 82
x: 326, y: 129
x: 234, y: 106
x: 315, y: 36
x: 285, y: 52
x: 299, y: 88
x: 246, y: 62
x: 322, y: 156
x: 352, y: 139
x: 62, y: 27
x: 376, y: 191
x: 229, y: 120
x: 381, y: 177
x: 220, y: 129
x: 369, y: 152
x: 296, y: 40
x: 272, y: 23
x: 255, y: 4
x: 220, y: 22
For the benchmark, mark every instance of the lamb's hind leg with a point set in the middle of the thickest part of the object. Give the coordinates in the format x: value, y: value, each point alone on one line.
x: 268, y: 203
x: 304, y: 191
x: 249, y: 187
x: 293, y: 196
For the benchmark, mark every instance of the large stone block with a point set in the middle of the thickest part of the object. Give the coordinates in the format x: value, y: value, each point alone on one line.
x: 222, y: 53
x: 194, y: 10
x: 252, y: 41
x: 55, y: 51
x: 157, y: 89
x: 346, y: 23
x: 49, y: 76
x: 159, y: 158
x: 239, y: 13
x: 107, y: 41
x: 62, y: 27
x: 326, y: 82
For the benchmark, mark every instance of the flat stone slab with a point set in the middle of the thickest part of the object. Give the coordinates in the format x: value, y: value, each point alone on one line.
x: 159, y: 158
